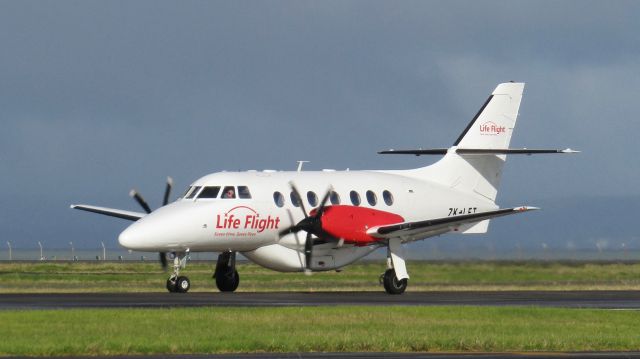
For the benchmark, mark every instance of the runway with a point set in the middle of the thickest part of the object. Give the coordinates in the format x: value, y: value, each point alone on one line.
x: 568, y: 299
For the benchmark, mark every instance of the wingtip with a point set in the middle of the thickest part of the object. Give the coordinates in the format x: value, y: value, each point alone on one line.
x: 569, y: 150
x: 526, y: 208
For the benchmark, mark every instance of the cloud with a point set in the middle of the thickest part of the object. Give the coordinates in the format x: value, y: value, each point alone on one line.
x: 98, y: 97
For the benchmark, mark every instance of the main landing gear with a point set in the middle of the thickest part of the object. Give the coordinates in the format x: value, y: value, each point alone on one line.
x: 391, y: 283
x: 395, y: 278
x: 177, y: 283
x: 226, y: 275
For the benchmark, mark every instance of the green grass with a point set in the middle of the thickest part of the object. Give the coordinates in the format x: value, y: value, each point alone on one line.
x: 147, y: 277
x: 324, y: 329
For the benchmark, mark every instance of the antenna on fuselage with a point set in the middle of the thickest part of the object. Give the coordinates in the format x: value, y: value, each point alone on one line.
x: 300, y: 163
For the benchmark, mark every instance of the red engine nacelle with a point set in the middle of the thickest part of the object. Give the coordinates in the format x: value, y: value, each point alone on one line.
x: 351, y: 223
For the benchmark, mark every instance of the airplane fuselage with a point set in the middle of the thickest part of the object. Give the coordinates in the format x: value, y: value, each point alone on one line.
x: 197, y: 224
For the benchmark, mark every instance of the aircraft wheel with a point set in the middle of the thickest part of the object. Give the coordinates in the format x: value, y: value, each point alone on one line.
x: 172, y: 286
x: 182, y: 284
x: 227, y: 281
x: 391, y: 284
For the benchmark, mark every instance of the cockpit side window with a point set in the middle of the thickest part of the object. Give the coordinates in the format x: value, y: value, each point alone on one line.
x: 193, y: 192
x: 210, y: 192
x: 187, y: 191
x: 243, y: 192
x: 229, y: 192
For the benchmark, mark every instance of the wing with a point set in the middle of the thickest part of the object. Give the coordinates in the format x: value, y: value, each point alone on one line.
x: 132, y: 216
x: 427, y: 228
x: 477, y: 151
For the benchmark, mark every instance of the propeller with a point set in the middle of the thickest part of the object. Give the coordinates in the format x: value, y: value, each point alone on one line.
x: 138, y: 197
x: 167, y: 191
x: 312, y: 224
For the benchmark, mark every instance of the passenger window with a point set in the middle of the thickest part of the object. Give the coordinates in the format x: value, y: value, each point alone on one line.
x: 371, y: 198
x: 193, y: 192
x: 388, y: 197
x: 355, y: 198
x: 243, y: 192
x: 312, y: 198
x: 210, y: 192
x: 294, y: 199
x: 229, y: 192
x: 278, y: 198
x: 334, y: 197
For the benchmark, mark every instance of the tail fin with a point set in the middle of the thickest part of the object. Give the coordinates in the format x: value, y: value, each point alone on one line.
x: 493, y: 125
x: 491, y: 128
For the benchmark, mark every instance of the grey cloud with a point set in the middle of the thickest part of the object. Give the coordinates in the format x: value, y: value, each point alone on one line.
x: 96, y: 97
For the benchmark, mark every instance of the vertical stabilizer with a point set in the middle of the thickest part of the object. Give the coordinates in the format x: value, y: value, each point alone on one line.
x: 491, y: 128
x: 493, y: 125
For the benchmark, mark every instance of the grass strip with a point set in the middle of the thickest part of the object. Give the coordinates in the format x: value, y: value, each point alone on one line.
x: 363, y: 276
x: 320, y: 329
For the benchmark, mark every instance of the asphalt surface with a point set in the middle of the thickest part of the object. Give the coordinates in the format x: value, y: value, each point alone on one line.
x: 569, y: 299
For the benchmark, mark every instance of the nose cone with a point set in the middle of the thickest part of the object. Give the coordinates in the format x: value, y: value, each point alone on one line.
x: 131, y: 237
x: 172, y: 227
x: 149, y: 233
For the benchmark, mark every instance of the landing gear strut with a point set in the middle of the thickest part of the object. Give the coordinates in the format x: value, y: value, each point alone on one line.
x: 177, y: 283
x: 395, y: 278
x: 226, y: 275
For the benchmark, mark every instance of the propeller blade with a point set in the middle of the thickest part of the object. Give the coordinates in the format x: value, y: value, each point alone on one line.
x: 292, y: 229
x: 300, y: 201
x: 308, y: 251
x: 140, y: 200
x: 163, y: 260
x: 167, y: 191
x: 324, y: 202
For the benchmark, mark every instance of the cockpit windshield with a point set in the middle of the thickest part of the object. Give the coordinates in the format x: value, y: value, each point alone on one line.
x: 213, y: 192
x: 243, y: 192
x: 210, y: 192
x: 193, y: 192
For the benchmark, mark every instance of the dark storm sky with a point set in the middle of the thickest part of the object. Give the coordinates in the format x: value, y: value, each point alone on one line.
x: 99, y: 97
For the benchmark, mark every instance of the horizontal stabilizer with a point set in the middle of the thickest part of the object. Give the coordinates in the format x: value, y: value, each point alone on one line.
x: 440, y: 224
x: 432, y: 151
x: 129, y: 215
x: 476, y: 151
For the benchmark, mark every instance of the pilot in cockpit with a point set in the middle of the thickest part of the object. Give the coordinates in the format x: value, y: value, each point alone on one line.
x: 229, y: 192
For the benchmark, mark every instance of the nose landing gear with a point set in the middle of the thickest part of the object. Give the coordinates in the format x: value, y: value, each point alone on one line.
x: 177, y: 283
x: 226, y: 275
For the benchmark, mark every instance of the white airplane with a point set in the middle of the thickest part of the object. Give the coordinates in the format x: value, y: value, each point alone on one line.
x: 263, y: 214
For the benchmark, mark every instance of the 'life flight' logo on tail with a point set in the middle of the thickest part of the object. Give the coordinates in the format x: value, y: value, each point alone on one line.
x: 491, y: 129
x: 246, y: 219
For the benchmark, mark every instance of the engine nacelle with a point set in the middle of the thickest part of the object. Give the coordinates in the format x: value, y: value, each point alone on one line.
x: 351, y: 223
x: 325, y: 256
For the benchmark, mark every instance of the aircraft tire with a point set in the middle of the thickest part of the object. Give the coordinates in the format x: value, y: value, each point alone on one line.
x: 391, y: 284
x: 182, y: 284
x: 172, y: 286
x: 228, y: 280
